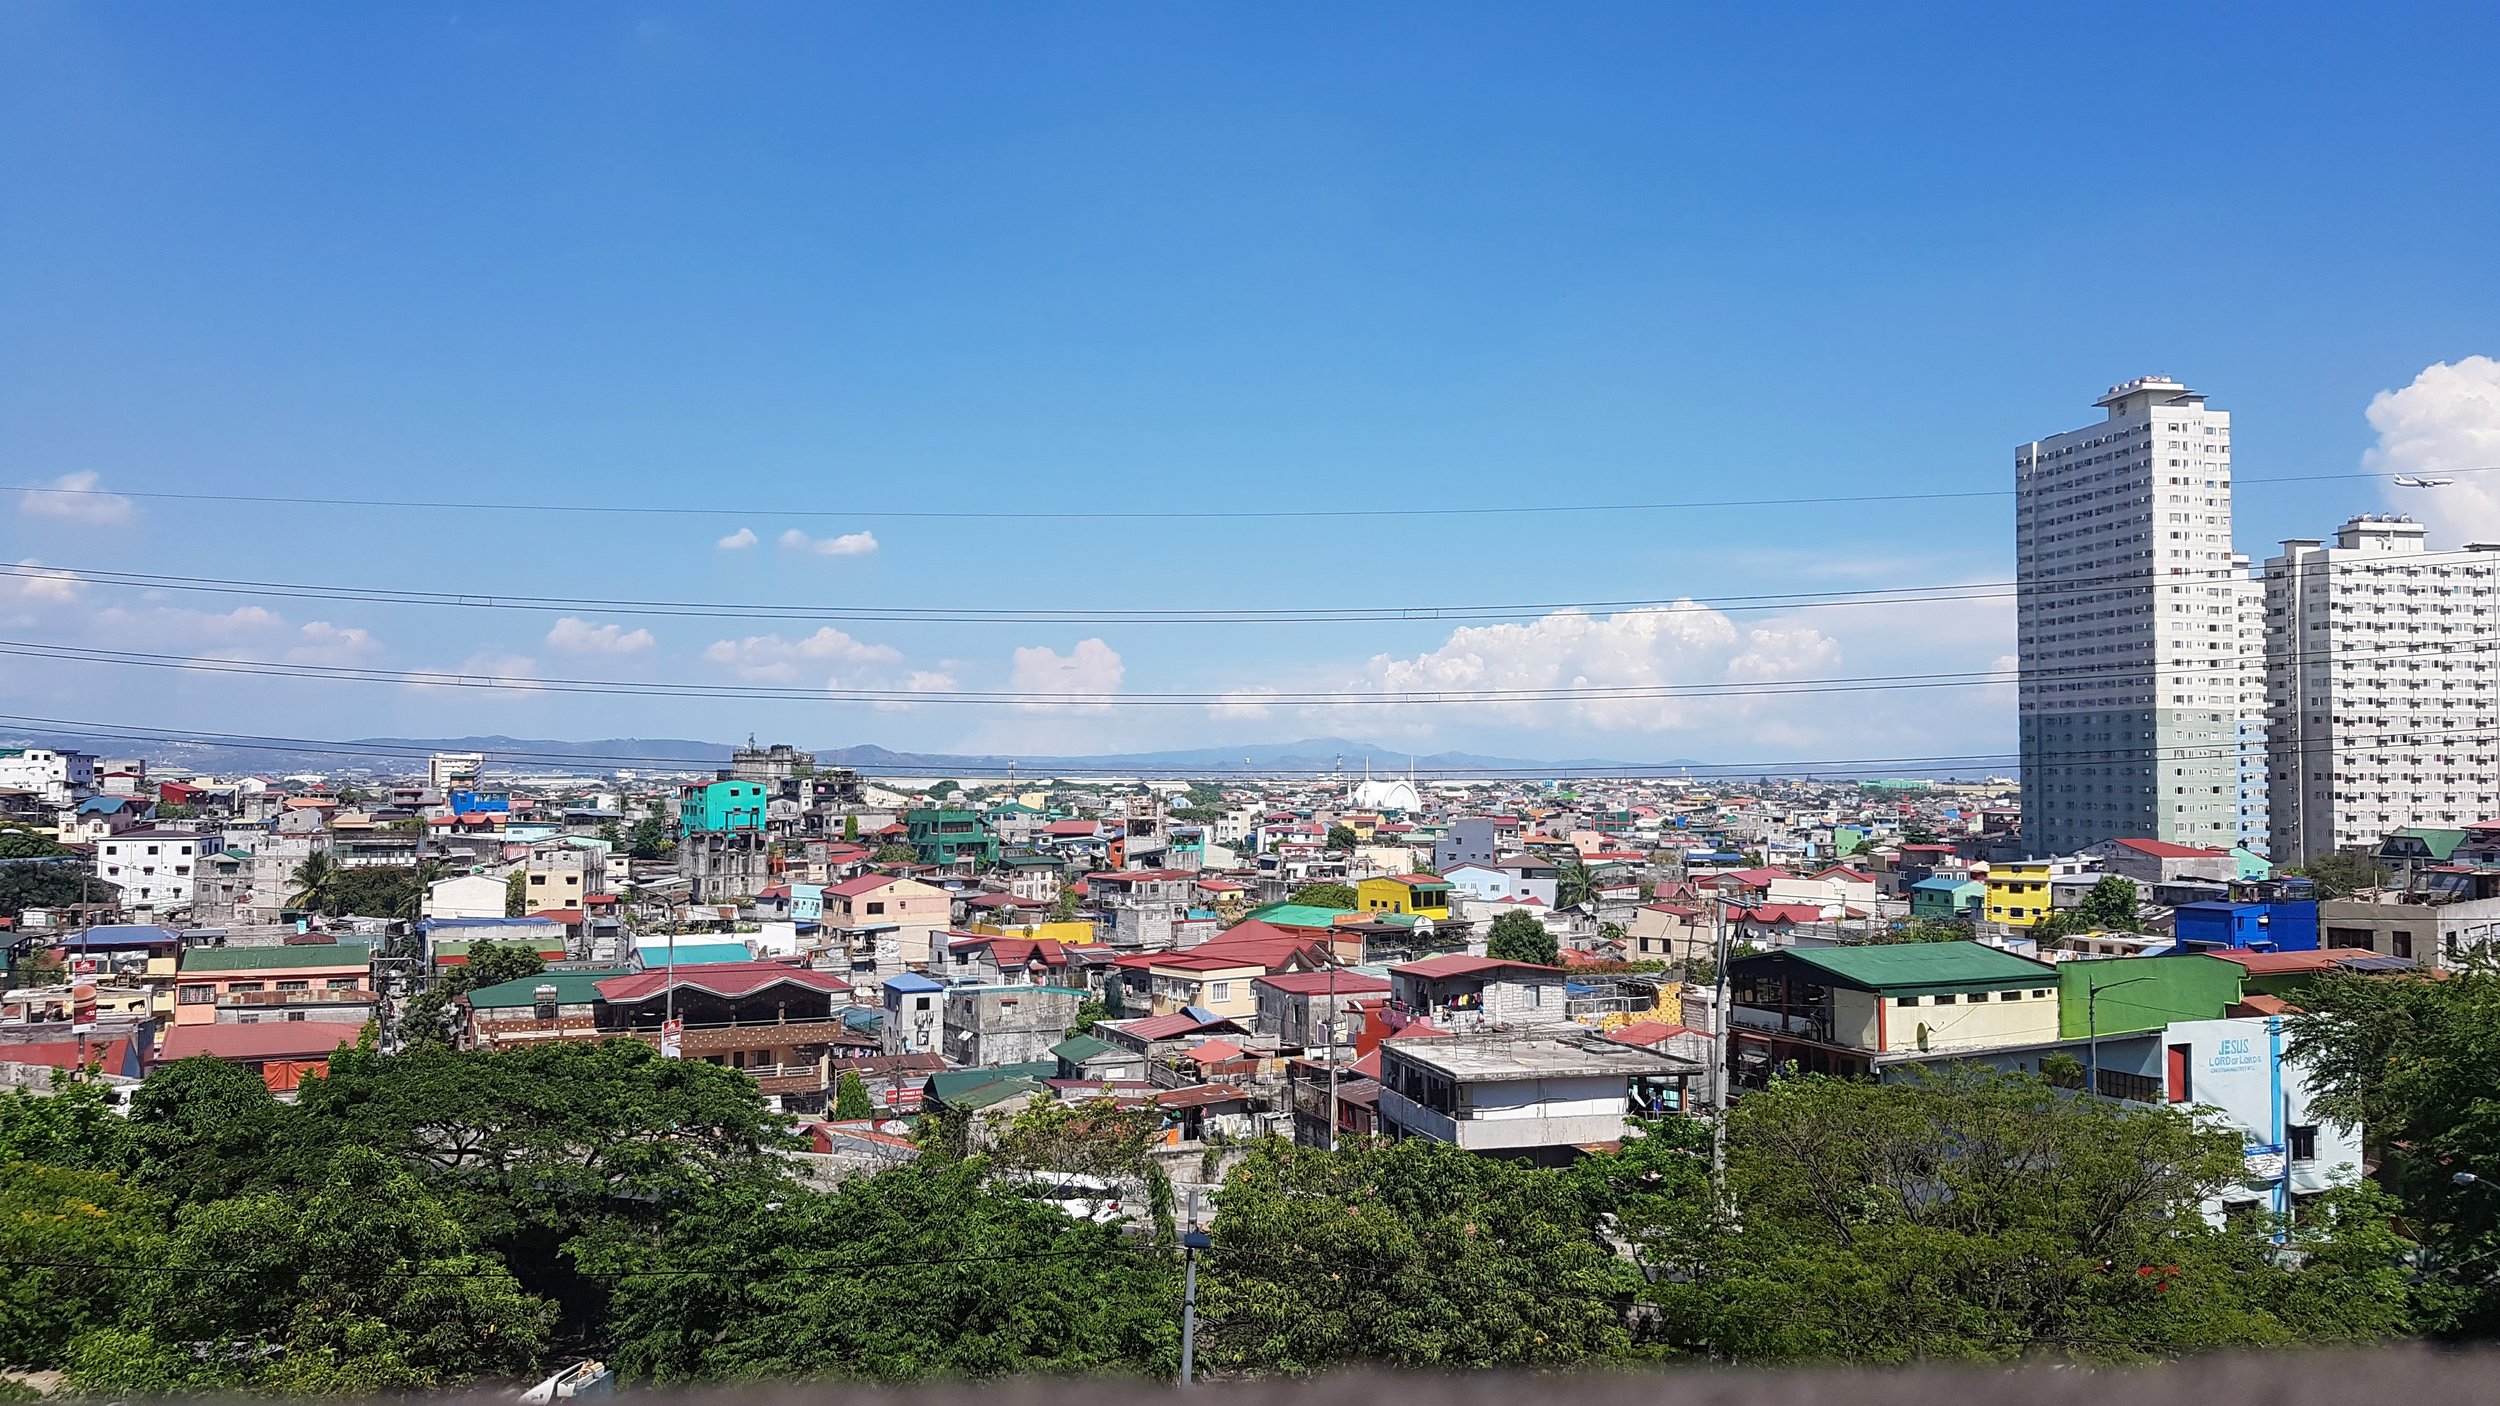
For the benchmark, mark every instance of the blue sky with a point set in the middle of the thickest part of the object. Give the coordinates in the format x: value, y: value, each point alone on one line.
x: 1102, y: 258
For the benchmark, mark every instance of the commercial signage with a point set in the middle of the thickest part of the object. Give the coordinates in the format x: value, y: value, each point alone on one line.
x: 2263, y: 1162
x: 81, y: 1006
x: 672, y: 1038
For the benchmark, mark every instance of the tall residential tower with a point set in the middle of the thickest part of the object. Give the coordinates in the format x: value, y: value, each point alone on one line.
x: 2381, y: 688
x: 2128, y: 609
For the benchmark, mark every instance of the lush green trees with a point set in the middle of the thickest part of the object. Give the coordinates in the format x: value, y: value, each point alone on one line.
x: 850, y: 1099
x: 2416, y: 1064
x: 316, y: 882
x: 1927, y: 930
x: 516, y: 894
x: 53, y: 1219
x: 1409, y: 1254
x: 21, y: 842
x: 1342, y: 837
x: 1328, y: 896
x: 428, y: 1019
x: 1519, y: 937
x: 896, y: 854
x: 24, y: 886
x: 2341, y: 872
x: 365, y: 1285
x: 652, y: 840
x: 927, y: 1271
x: 1986, y: 1217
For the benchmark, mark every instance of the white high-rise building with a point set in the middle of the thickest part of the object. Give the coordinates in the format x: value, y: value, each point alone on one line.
x: 446, y: 770
x: 2128, y: 618
x: 2382, y: 687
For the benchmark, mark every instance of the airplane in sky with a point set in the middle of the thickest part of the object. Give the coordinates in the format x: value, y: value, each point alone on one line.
x: 2409, y: 481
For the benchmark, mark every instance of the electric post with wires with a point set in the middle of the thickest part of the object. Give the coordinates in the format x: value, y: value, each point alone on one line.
x: 1193, y: 1240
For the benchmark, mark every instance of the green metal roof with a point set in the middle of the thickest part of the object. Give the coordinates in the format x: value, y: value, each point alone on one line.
x: 1076, y: 1049
x: 579, y: 988
x: 2441, y: 843
x: 1298, y: 915
x: 947, y: 1085
x: 258, y: 959
x: 1915, y: 966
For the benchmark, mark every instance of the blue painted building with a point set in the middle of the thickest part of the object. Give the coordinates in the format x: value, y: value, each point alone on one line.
x: 2280, y: 925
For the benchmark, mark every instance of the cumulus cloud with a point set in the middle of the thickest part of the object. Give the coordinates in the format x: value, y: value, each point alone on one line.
x: 498, y: 670
x: 772, y: 659
x: 2446, y: 421
x: 1092, y: 667
x: 321, y: 642
x: 849, y: 544
x: 78, y: 497
x: 31, y: 582
x: 1243, y: 703
x: 917, y: 681
x: 581, y: 637
x: 1685, y: 644
x: 737, y: 541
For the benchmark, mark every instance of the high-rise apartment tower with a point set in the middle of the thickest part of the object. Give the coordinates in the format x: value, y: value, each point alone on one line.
x: 2128, y: 615
x: 2382, y: 696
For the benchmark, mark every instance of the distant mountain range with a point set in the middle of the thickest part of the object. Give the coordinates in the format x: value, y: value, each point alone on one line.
x: 406, y: 755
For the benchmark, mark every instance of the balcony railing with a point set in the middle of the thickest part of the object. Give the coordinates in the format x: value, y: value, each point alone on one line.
x: 344, y: 996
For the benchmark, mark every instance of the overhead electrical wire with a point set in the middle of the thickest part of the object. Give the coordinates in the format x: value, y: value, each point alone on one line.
x: 1774, y: 602
x: 1094, y: 515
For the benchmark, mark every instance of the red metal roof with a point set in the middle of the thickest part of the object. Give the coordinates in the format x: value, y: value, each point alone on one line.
x: 2164, y: 849
x: 282, y: 1039
x: 719, y: 979
x: 1348, y: 983
x: 1460, y: 964
x: 865, y: 883
x: 1166, y: 1027
x: 1645, y: 1033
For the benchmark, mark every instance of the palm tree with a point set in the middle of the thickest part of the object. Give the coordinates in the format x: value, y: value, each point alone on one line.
x: 316, y: 883
x: 1575, y: 885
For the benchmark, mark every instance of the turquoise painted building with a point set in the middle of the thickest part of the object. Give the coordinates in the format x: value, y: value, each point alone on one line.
x: 1944, y: 899
x: 716, y: 807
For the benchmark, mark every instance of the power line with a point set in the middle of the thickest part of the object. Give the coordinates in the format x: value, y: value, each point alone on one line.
x: 1065, y: 515
x: 2114, y: 674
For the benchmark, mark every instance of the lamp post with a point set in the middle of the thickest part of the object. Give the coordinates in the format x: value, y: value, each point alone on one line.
x: 2092, y: 1025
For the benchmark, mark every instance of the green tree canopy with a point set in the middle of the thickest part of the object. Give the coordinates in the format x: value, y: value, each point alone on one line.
x: 1330, y: 895
x: 1343, y: 837
x: 1519, y: 937
x: 2341, y: 872
x: 896, y: 854
x: 927, y: 1271
x: 850, y: 1099
x: 1409, y: 1254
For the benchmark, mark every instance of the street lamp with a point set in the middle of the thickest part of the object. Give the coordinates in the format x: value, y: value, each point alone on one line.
x: 2092, y: 1024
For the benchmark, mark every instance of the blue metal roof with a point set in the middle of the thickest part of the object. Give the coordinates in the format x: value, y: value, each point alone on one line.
x: 911, y: 981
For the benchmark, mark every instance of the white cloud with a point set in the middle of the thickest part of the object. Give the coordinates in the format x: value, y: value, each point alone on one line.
x: 849, y: 544
x: 1092, y: 667
x: 31, y: 582
x: 737, y: 541
x: 581, y: 637
x: 2447, y: 421
x: 78, y: 497
x: 1243, y: 703
x: 325, y: 643
x: 1686, y: 644
x: 772, y: 659
x: 498, y: 670
x: 918, y: 681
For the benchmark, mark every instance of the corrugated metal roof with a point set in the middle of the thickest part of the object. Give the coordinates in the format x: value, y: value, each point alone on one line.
x: 253, y: 959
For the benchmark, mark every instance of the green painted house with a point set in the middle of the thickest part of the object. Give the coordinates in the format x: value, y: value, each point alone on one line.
x: 2142, y: 993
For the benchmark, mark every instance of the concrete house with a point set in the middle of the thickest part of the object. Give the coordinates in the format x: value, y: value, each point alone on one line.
x: 1006, y: 1024
x: 1838, y: 1010
x: 1459, y: 992
x: 1541, y: 1094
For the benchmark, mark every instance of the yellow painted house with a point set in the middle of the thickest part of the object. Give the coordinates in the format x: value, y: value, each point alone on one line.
x: 2018, y: 892
x: 1424, y: 895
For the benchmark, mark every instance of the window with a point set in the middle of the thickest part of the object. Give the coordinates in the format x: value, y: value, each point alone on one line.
x: 1944, y: 998
x: 2303, y: 1144
x: 2404, y: 943
x: 876, y: 908
x: 1220, y: 991
x: 196, y: 996
x: 2180, y: 1090
x: 2009, y: 995
x: 1905, y: 1000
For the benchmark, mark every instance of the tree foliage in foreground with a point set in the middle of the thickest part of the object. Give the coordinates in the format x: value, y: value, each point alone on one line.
x: 2416, y: 1064
x: 1521, y: 937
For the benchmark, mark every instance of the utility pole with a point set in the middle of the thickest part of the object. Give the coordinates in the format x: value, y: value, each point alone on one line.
x: 1719, y: 1076
x: 2092, y: 1028
x: 1192, y: 1241
x: 1332, y: 1056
